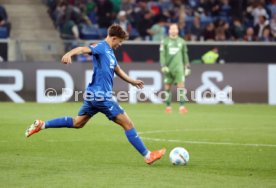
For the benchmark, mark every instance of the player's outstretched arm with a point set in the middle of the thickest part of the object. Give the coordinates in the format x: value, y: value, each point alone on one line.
x: 66, y: 59
x: 137, y: 83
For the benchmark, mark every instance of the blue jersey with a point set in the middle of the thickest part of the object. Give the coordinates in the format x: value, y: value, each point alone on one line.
x: 104, y: 63
x: 99, y: 90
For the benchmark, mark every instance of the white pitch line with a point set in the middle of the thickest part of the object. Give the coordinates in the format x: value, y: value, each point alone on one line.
x: 183, y: 130
x: 208, y: 143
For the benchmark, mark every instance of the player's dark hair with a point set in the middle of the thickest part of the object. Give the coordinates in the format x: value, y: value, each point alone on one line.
x: 116, y: 30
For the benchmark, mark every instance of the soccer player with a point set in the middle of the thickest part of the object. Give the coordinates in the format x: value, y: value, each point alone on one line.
x: 99, y: 98
x: 174, y: 60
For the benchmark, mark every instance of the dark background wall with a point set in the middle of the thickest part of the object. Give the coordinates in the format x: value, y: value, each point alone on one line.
x: 230, y: 52
x: 148, y: 52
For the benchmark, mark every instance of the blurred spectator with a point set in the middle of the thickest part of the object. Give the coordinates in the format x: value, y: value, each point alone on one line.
x: 238, y: 30
x: 181, y: 13
x: 257, y: 9
x: 166, y: 7
x: 138, y: 13
x: 197, y: 19
x: 82, y: 15
x: 59, y: 13
x: 222, y: 31
x: 266, y: 35
x: 249, y: 36
x: 104, y: 13
x: 204, y: 7
x: 158, y: 31
x: 144, y: 24
x: 196, y: 29
x: 193, y: 3
x: 271, y: 7
x: 238, y: 8
x: 260, y: 26
x: 90, y: 6
x: 123, y: 22
x: 127, y: 6
x: 154, y: 7
x: 52, y: 4
x: 69, y: 30
x: 182, y: 29
x: 273, y: 26
x: 71, y: 2
x: 91, y: 9
x: 3, y: 13
x: 209, y: 32
x: 214, y: 6
x: 225, y: 10
x: 177, y: 11
x: 4, y: 19
x: 115, y: 6
x: 200, y: 12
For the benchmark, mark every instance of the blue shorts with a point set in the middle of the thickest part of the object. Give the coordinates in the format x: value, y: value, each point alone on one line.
x: 108, y: 107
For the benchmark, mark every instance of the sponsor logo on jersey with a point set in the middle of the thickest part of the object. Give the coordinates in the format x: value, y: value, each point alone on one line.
x: 173, y: 50
x: 112, y: 63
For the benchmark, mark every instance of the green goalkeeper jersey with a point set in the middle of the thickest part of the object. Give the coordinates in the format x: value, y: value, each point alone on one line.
x: 174, y: 54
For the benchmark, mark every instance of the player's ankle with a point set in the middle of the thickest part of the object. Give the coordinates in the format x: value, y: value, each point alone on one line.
x: 43, y: 126
x: 38, y: 122
x: 147, y: 156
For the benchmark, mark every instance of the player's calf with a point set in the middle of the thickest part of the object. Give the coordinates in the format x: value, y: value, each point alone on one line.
x: 68, y: 122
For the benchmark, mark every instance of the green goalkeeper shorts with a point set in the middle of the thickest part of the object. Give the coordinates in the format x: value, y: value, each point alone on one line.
x: 174, y: 77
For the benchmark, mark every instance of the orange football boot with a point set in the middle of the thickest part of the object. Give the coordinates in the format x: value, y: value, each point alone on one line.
x: 168, y: 109
x: 183, y: 110
x: 34, y: 128
x: 155, y: 155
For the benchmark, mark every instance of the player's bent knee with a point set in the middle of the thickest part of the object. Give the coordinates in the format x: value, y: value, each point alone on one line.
x: 124, y: 121
x: 79, y: 124
x: 128, y: 125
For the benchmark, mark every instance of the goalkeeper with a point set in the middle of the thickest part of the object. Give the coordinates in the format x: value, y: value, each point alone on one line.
x: 174, y: 62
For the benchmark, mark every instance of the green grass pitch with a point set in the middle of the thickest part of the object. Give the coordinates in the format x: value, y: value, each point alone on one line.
x: 229, y: 146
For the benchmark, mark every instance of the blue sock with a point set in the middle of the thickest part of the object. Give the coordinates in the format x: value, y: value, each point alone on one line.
x: 136, y: 141
x: 59, y: 122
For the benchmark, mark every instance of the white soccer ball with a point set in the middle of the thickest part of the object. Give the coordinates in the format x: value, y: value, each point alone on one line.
x: 179, y: 156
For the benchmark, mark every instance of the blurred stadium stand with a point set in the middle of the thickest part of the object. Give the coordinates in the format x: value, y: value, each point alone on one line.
x: 43, y: 29
x: 30, y: 22
x: 88, y: 16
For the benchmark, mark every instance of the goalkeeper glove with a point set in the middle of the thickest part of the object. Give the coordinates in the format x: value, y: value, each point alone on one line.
x: 188, y: 70
x: 165, y: 69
